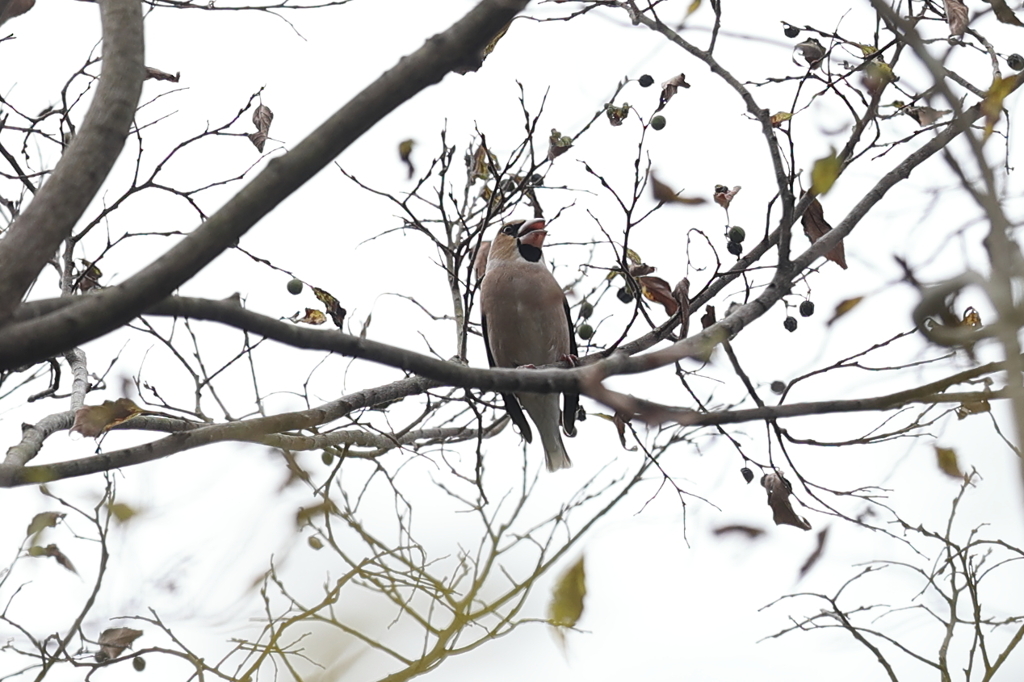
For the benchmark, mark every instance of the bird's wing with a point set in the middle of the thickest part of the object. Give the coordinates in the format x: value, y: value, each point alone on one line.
x: 512, y: 406
x: 570, y: 401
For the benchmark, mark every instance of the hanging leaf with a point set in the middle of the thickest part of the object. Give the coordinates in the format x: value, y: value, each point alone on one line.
x: 669, y: 89
x: 114, y: 641
x: 972, y: 318
x: 122, y: 512
x: 812, y: 52
x: 974, y: 407
x: 1004, y: 13
x: 92, y: 420
x: 90, y: 277
x: 664, y: 194
x: 480, y: 164
x: 658, y: 290
x: 946, y: 458
x: 843, y: 308
x: 956, y: 17
x: 261, y: 118
x: 334, y: 308
x: 43, y: 520
x: 816, y: 554
x: 824, y: 173
x: 620, y: 420
x: 724, y: 196
x: 779, y: 491
x: 992, y: 105
x: 681, y: 294
x: 405, y: 154
x: 816, y: 227
x: 312, y: 316
x: 925, y: 116
x: 566, y: 604
x: 779, y: 118
x: 558, y: 144
x: 54, y: 553
x: 157, y: 74
x: 708, y: 318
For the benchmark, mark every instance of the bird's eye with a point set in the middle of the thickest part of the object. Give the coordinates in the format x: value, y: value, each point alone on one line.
x: 512, y: 229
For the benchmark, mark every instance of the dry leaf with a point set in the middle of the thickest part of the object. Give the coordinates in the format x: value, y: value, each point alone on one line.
x: 157, y: 74
x: 877, y: 74
x: 947, y: 462
x: 312, y: 316
x: 779, y: 491
x: 616, y: 115
x: 641, y: 270
x: 992, y: 105
x: 824, y: 173
x: 566, y: 604
x: 974, y: 407
x: 1004, y: 13
x: 54, y: 553
x: 664, y: 194
x: 972, y: 318
x: 843, y: 308
x: 812, y: 52
x: 92, y: 420
x: 122, y: 512
x: 669, y: 88
x: 681, y: 293
x: 114, y: 641
x: 261, y: 118
x: 816, y: 227
x: 12, y: 8
x: 558, y: 144
x: 334, y: 308
x: 90, y: 276
x: 925, y: 116
x: 620, y: 420
x: 816, y: 554
x: 781, y: 117
x: 956, y: 17
x: 405, y: 153
x: 43, y: 520
x: 749, y: 531
x: 724, y: 195
x: 708, y: 318
x: 658, y: 290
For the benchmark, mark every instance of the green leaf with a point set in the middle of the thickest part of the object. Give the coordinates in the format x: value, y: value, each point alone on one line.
x: 824, y: 173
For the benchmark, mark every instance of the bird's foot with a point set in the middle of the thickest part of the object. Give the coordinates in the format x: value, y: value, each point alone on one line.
x: 571, y: 359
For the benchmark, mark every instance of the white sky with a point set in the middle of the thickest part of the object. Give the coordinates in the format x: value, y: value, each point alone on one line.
x: 658, y: 607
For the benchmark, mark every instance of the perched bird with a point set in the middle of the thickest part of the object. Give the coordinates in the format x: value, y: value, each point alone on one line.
x: 526, y: 322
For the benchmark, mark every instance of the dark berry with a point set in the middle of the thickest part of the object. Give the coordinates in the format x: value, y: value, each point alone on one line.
x: 586, y: 309
x: 536, y: 179
x: 658, y: 122
x: 737, y: 234
x: 748, y: 475
x: 792, y: 31
x: 1015, y: 62
x: 790, y: 324
x: 139, y: 663
x: 624, y: 295
x: 778, y: 387
x: 295, y: 286
x: 645, y: 81
x: 327, y: 457
x: 735, y: 248
x: 806, y: 309
x: 585, y: 331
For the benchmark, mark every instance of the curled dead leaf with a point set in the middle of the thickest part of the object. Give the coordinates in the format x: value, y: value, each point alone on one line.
x: 816, y: 227
x: 669, y: 89
x: 157, y: 74
x: 92, y: 420
x: 558, y: 144
x: 708, y: 318
x: 312, y: 316
x: 724, y: 195
x: 1004, y: 13
x: 812, y: 52
x: 334, y: 308
x: 779, y: 490
x: 681, y: 293
x: 966, y: 409
x: 262, y: 117
x: 114, y: 641
x: 658, y: 290
x: 54, y: 553
x: 664, y: 194
x: 925, y: 116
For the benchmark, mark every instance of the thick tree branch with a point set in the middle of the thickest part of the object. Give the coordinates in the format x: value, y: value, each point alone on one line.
x: 457, y: 48
x: 37, y: 233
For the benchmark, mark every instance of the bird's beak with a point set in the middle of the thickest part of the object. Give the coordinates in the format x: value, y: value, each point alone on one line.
x: 533, y: 233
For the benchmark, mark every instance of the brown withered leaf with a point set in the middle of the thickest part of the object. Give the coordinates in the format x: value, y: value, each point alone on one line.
x: 956, y: 17
x: 558, y: 144
x: 816, y: 227
x: 664, y: 194
x: 43, y: 520
x: 925, y: 116
x: 972, y: 318
x: 974, y: 407
x: 708, y: 318
x: 92, y: 420
x: 619, y: 419
x: 12, y: 8
x: 816, y: 554
x: 641, y: 269
x: 751, y: 532
x: 157, y: 74
x: 681, y: 293
x: 1004, y: 13
x: 658, y: 290
x: 669, y: 89
x: 480, y: 163
x: 261, y: 118
x: 947, y: 461
x: 724, y: 195
x: 405, y: 154
x: 334, y: 308
x: 311, y: 316
x: 54, y: 553
x: 779, y: 491
x: 812, y: 51
x: 90, y: 276
x: 114, y: 641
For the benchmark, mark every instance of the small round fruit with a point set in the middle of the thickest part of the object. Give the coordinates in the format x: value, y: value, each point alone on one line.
x: 778, y: 387
x: 658, y: 122
x: 790, y: 324
x: 624, y: 295
x: 806, y: 309
x: 315, y: 542
x: 737, y: 234
x: 327, y: 457
x: 1015, y: 62
x: 139, y: 663
x: 735, y: 248
x: 792, y: 31
x: 586, y: 309
x: 585, y: 331
x: 536, y: 179
x: 645, y: 81
x: 748, y: 475
x: 295, y: 286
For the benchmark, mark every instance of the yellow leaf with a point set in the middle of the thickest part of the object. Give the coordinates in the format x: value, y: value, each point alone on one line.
x: 693, y: 7
x: 824, y: 173
x: 992, y: 105
x: 947, y: 462
x: 779, y: 118
x: 633, y: 256
x: 845, y: 307
x: 566, y: 605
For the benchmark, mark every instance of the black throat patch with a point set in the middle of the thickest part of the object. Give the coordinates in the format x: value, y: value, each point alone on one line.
x: 530, y: 253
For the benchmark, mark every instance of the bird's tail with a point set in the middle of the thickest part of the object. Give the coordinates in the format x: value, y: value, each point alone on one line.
x: 543, y: 410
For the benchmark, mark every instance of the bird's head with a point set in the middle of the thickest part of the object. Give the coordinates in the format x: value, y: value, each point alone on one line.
x: 519, y: 239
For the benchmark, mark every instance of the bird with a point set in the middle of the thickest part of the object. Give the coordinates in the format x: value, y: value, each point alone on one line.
x: 526, y: 323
